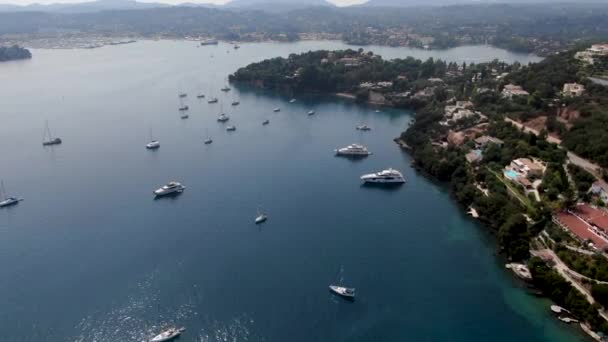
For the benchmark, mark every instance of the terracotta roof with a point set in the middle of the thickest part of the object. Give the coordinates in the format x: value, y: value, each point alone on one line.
x: 579, y: 228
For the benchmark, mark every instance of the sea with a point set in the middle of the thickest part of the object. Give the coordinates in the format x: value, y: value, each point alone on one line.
x: 90, y: 255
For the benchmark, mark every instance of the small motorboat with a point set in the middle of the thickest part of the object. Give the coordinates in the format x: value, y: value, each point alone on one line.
x: 265, y: 122
x: 231, y: 128
x: 168, y: 335
x: 208, y: 141
x: 363, y: 128
x: 276, y: 110
x: 311, y: 112
x: 346, y: 292
x: 153, y: 145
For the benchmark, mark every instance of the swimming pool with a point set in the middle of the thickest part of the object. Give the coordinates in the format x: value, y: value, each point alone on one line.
x: 511, y: 174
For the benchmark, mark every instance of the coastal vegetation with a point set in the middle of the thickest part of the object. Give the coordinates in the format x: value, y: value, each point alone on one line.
x: 13, y: 53
x: 470, y: 128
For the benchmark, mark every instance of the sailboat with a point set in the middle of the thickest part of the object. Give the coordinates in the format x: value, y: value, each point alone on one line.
x: 347, y: 293
x: 208, y: 140
x: 261, y: 217
x: 4, y: 200
x: 48, y: 139
x: 153, y: 144
x: 182, y: 107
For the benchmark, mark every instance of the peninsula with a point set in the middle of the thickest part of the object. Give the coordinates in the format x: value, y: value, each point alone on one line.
x: 13, y: 53
x: 522, y: 148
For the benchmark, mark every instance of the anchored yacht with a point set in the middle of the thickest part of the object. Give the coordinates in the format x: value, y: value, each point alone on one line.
x: 265, y: 122
x: 200, y: 96
x: 225, y: 89
x: 182, y: 95
x: 346, y: 292
x: 168, y: 335
x: 235, y: 103
x: 353, y: 150
x: 363, y: 128
x: 311, y: 112
x: 209, y: 42
x: 231, y: 128
x: 276, y: 110
x: 292, y: 101
x: 388, y: 176
x: 212, y: 100
x: 171, y: 188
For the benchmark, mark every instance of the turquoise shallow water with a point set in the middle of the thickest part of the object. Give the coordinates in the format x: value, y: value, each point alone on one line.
x: 90, y: 256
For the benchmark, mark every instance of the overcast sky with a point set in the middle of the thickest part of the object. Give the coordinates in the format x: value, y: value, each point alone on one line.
x: 26, y: 2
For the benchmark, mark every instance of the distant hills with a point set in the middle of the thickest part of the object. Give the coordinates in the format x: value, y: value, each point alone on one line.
x: 83, y: 7
x: 105, y: 5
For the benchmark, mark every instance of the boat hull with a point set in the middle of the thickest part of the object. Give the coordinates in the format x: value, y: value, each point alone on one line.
x: 55, y: 141
x: 8, y: 202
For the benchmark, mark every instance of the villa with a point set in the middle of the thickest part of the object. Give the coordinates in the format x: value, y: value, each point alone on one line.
x: 526, y: 173
x: 484, y: 140
x: 511, y: 90
x: 573, y: 89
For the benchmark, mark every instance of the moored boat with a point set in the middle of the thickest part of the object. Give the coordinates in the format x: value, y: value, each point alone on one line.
x: 7, y: 201
x: 388, y: 176
x: 48, y: 139
x: 353, y: 150
x: 346, y: 292
x: 265, y: 122
x: 276, y: 110
x: 168, y: 335
x: 311, y: 112
x: 172, y: 187
x: 152, y: 145
x: 231, y: 128
x: 213, y: 100
x: 261, y: 217
x: 363, y: 128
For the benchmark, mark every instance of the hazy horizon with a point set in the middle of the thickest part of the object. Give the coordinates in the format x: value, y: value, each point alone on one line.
x: 171, y: 2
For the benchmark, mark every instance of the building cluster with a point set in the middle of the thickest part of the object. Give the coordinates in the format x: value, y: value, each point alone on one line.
x: 600, y: 189
x: 510, y: 90
x: 459, y: 110
x: 589, y: 55
x: 587, y: 223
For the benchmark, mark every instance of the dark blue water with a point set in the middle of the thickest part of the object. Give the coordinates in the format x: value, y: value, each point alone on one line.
x: 90, y: 256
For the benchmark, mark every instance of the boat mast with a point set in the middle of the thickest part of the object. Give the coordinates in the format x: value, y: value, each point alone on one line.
x: 2, y: 191
x: 47, y: 131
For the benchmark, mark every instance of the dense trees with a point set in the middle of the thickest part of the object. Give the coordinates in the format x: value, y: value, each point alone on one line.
x: 561, y: 292
x: 13, y: 53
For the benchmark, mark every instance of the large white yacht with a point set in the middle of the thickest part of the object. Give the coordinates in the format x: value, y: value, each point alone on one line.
x: 171, y: 188
x: 168, y: 335
x: 388, y: 176
x: 353, y: 150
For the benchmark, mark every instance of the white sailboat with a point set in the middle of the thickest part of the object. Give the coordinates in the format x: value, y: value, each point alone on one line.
x: 48, y: 139
x: 208, y: 140
x: 6, y: 201
x: 342, y: 291
x: 182, y: 106
x: 260, y: 217
x: 153, y: 144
